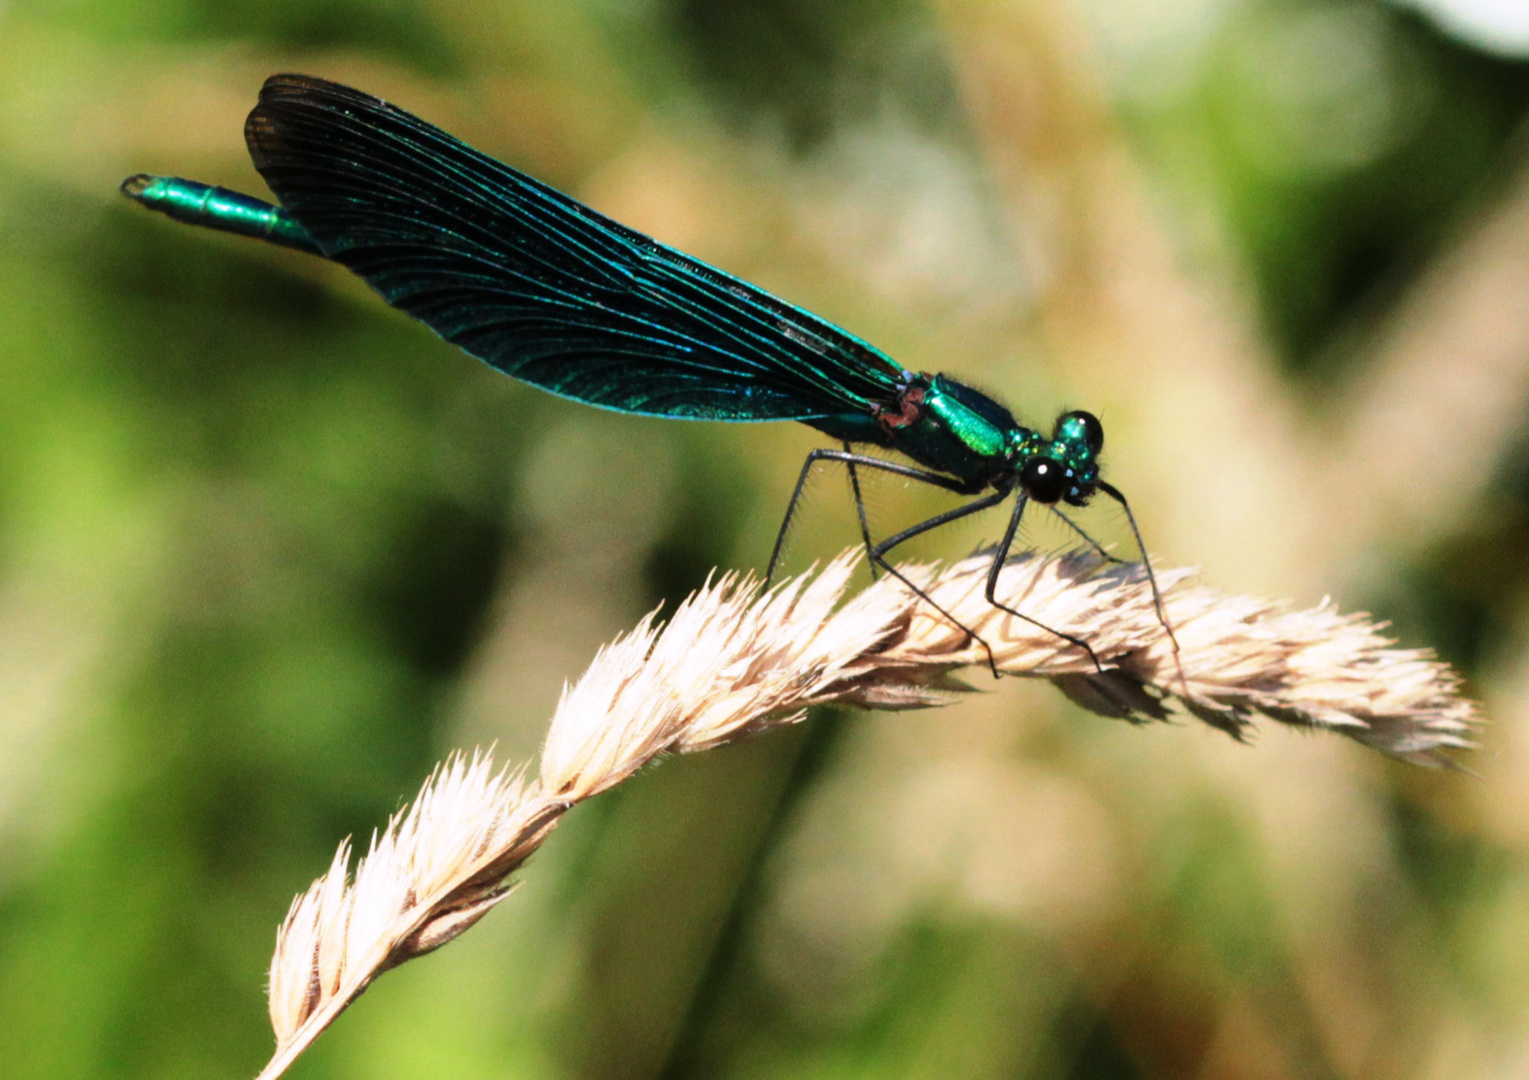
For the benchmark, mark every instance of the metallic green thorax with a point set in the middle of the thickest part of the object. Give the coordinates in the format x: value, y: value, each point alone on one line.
x: 219, y: 208
x: 951, y: 428
x: 979, y: 434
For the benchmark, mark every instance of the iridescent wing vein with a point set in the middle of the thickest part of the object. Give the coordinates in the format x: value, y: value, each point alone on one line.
x: 538, y: 285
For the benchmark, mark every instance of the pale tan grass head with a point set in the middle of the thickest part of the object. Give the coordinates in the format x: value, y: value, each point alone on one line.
x: 730, y: 663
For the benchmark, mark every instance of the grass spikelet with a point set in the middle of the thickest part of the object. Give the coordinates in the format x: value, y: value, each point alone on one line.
x: 732, y: 662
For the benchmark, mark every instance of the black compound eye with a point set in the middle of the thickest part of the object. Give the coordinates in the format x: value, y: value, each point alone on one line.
x: 1043, y: 479
x: 1089, y: 427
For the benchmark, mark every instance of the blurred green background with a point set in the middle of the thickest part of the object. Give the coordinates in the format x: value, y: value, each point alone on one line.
x: 268, y: 550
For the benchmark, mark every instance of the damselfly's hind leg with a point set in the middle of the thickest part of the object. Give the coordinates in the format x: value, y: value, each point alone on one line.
x: 923, y: 476
x: 865, y: 528
x: 878, y: 552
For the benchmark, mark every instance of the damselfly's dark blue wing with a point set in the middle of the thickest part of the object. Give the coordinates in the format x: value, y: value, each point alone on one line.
x: 535, y: 283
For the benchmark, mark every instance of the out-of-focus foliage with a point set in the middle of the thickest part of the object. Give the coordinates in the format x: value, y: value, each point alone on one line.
x: 1339, y: 145
x: 268, y: 550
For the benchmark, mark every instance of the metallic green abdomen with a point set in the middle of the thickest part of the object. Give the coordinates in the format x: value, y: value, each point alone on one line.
x: 219, y: 208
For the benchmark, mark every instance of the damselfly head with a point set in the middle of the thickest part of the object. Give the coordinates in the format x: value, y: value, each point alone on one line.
x: 1067, y: 469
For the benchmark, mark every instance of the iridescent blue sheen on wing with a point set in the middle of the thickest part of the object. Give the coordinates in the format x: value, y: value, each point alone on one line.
x: 538, y: 285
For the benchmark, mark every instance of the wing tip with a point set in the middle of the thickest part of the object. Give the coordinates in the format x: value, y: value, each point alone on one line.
x: 285, y: 91
x: 291, y: 84
x: 293, y: 87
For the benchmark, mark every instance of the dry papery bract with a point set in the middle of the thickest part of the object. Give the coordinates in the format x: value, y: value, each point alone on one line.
x: 732, y: 662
